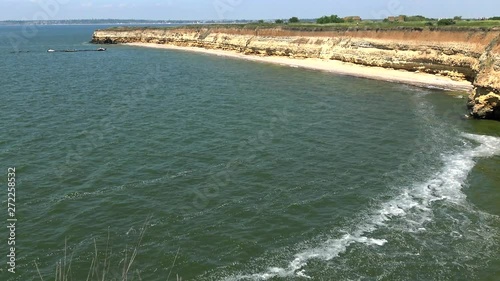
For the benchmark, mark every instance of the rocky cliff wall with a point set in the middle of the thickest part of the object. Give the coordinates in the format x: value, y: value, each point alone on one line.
x: 472, y: 55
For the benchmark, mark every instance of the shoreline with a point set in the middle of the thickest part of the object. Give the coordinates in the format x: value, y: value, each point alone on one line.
x: 333, y: 66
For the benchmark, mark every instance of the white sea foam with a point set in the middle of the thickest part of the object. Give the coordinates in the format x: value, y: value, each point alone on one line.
x: 413, y: 206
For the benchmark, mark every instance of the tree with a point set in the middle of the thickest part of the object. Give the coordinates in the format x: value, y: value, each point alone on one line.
x: 261, y: 21
x: 293, y: 20
x: 494, y: 18
x: 322, y: 20
x: 442, y: 22
x: 279, y: 21
x: 416, y: 18
x: 457, y: 18
x: 329, y: 19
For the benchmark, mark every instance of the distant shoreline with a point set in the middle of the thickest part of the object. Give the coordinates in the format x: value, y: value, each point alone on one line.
x: 350, y: 69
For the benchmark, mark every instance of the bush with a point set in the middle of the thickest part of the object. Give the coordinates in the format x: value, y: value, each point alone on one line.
x: 279, y: 21
x: 443, y: 22
x: 429, y: 23
x: 494, y: 18
x: 416, y: 18
x: 458, y: 18
x: 330, y: 19
x: 261, y: 21
x: 293, y: 20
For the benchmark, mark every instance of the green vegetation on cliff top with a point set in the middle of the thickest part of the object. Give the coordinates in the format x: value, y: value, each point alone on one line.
x: 472, y: 25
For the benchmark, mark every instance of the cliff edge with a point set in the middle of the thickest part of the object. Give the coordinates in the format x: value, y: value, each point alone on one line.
x: 472, y: 55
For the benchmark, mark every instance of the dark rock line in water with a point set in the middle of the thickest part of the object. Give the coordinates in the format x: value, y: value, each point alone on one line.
x: 75, y: 50
x: 63, y: 51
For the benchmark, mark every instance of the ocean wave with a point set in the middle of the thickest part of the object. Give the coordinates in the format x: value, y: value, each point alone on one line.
x: 413, y: 205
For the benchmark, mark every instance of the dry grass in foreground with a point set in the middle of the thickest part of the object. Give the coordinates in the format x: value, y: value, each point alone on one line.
x: 101, y: 268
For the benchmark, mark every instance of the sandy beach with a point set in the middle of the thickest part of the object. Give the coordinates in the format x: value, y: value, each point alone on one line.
x: 338, y: 67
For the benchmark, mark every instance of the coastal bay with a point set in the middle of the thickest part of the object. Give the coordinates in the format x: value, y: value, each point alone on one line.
x: 453, y: 56
x: 216, y: 168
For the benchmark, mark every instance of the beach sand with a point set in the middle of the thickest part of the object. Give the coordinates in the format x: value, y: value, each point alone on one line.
x: 338, y: 67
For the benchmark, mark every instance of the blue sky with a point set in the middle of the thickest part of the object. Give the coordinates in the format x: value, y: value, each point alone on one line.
x: 240, y: 9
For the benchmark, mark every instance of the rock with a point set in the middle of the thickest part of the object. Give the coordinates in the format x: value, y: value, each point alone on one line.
x: 484, y: 104
x: 108, y: 41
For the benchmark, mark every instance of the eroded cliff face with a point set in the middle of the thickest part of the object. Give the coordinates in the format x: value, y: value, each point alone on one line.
x: 484, y: 101
x: 458, y: 54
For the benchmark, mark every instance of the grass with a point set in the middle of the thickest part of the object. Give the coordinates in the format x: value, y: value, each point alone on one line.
x: 101, y: 269
x: 482, y: 23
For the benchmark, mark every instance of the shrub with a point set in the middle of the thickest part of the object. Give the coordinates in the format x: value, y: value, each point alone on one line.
x: 429, y: 23
x: 330, y: 19
x: 495, y: 18
x: 279, y: 21
x: 442, y: 22
x: 416, y: 18
x: 293, y: 20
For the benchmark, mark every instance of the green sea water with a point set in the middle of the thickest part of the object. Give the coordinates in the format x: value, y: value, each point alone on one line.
x: 221, y: 169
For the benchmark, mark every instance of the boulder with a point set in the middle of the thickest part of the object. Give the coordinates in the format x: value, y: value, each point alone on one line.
x: 484, y: 104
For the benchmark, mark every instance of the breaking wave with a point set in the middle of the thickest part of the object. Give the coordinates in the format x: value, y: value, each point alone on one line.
x: 413, y: 205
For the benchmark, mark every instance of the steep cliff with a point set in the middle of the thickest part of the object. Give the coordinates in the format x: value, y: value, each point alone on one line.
x: 473, y: 55
x: 484, y: 101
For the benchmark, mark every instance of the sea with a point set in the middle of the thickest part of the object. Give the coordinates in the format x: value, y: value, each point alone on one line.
x: 149, y: 164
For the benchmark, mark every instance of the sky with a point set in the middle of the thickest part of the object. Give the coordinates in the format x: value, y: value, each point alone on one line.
x: 240, y: 9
